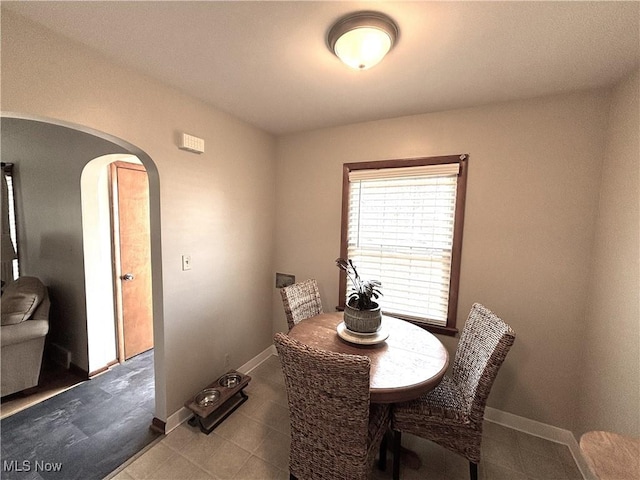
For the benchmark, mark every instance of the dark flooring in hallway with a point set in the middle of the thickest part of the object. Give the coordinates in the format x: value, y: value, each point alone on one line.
x: 87, y: 431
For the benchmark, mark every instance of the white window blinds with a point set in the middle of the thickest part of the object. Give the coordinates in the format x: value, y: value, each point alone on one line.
x: 400, y: 231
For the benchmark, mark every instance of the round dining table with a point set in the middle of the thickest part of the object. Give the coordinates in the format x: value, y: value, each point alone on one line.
x: 409, y: 362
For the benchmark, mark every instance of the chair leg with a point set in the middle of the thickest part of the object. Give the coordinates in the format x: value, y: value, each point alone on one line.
x: 397, y: 443
x: 473, y: 470
x: 382, y: 461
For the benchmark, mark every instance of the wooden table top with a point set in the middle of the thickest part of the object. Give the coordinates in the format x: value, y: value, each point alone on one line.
x: 409, y: 363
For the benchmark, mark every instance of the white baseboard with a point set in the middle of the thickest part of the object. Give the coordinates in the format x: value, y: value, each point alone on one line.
x: 257, y: 360
x: 184, y: 414
x: 177, y: 419
x: 542, y: 430
x: 60, y: 355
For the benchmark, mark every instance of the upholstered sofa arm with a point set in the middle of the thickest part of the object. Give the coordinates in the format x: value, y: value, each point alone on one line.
x: 42, y: 312
x: 24, y: 326
x: 23, y: 332
x: 23, y: 299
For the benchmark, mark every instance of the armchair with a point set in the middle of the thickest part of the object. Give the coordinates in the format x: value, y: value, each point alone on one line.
x: 25, y: 323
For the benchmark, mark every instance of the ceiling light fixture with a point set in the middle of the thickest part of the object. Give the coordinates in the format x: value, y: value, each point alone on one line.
x: 362, y: 39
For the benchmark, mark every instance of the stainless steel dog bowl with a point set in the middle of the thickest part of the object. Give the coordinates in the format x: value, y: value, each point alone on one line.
x: 230, y: 380
x: 207, y: 397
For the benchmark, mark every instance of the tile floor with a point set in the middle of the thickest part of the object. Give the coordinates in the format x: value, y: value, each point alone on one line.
x: 84, y: 432
x: 253, y: 443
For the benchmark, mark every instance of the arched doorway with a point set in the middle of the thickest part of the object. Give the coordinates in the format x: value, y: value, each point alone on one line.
x: 118, y: 326
x: 61, y: 253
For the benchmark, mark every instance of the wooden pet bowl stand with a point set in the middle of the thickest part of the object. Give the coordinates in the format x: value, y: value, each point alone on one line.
x: 231, y: 397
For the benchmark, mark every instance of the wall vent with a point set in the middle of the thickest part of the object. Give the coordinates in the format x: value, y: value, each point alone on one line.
x: 191, y: 143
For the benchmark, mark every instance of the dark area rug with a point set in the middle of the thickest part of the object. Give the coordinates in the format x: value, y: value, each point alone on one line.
x: 85, y: 432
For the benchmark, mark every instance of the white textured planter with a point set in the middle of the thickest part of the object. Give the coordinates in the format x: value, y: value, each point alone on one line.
x: 362, y: 321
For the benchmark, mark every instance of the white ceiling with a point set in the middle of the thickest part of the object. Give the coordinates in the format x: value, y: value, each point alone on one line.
x: 268, y: 64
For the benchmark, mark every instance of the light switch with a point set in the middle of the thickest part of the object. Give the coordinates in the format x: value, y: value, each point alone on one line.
x: 186, y: 262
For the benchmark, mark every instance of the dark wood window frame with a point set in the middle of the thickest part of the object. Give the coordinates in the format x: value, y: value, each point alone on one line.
x: 462, y: 160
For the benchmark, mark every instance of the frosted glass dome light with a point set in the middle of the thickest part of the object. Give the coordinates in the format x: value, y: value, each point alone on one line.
x: 361, y: 40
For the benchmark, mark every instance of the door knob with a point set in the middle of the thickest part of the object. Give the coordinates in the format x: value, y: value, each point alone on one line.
x: 127, y: 277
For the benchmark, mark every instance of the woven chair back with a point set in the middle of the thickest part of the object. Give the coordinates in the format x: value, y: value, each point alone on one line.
x: 484, y: 344
x: 301, y: 300
x: 328, y: 396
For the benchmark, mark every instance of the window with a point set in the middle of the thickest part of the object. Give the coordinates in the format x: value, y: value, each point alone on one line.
x: 10, y: 268
x: 402, y: 224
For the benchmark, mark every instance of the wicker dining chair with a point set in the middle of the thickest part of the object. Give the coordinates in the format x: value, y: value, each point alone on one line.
x: 301, y: 300
x: 452, y: 414
x: 335, y: 430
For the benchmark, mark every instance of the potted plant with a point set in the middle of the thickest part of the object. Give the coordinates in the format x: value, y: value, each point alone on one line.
x: 361, y: 312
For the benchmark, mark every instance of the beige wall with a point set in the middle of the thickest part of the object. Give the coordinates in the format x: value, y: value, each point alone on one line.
x: 534, y: 173
x: 218, y: 207
x: 611, y: 370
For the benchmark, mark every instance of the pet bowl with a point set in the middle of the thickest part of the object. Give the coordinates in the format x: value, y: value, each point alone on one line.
x: 207, y: 397
x: 230, y: 380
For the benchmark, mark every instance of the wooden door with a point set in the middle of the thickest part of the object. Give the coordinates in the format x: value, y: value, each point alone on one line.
x: 133, y: 267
